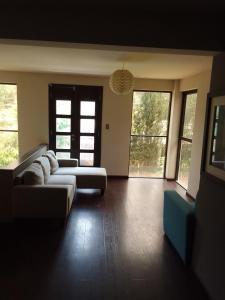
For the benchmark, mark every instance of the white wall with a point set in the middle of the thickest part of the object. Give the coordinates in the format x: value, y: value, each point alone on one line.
x: 201, y: 82
x: 33, y: 113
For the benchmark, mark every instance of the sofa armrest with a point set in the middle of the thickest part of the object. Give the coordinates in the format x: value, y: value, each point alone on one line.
x: 72, y: 162
x: 41, y: 201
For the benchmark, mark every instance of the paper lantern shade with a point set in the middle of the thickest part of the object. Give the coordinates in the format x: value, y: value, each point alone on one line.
x: 121, y: 82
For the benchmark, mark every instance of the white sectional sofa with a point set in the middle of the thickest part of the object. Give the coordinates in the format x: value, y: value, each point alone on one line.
x: 46, y: 188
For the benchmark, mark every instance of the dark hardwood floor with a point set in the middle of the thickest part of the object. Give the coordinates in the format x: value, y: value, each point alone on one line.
x: 112, y: 247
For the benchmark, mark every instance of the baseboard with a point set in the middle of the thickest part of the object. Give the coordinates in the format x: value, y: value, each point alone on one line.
x: 117, y: 177
x: 170, y: 179
x: 189, y: 195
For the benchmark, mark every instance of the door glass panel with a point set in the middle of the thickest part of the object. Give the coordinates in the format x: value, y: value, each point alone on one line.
x: 63, y: 155
x: 86, y: 159
x: 184, y: 163
x: 150, y: 118
x: 87, y: 108
x: 187, y: 129
x: 87, y: 142
x: 63, y: 124
x: 147, y: 156
x: 87, y: 125
x: 189, y: 117
x: 63, y: 107
x: 63, y: 142
x: 150, y: 113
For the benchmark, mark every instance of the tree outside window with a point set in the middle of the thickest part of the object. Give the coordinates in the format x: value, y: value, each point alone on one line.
x: 8, y: 124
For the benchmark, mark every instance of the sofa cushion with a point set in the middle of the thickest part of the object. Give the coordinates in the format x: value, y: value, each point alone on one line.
x: 53, y: 162
x: 44, y: 162
x: 62, y: 179
x: 33, y: 175
x: 87, y: 177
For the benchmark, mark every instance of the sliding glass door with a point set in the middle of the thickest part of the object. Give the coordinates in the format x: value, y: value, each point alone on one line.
x: 149, y: 134
x: 185, y: 137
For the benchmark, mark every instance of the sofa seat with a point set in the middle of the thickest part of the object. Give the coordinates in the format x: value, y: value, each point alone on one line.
x: 42, y: 201
x: 62, y: 179
x: 87, y: 177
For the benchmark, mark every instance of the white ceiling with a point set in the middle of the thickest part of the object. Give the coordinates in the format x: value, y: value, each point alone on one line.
x: 101, y: 60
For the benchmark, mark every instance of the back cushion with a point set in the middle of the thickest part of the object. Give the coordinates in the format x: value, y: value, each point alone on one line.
x: 33, y: 175
x: 44, y: 162
x: 52, y: 160
x: 52, y: 153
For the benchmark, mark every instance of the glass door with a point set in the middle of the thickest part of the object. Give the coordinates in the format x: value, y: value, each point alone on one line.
x: 149, y: 134
x: 75, y: 122
x: 185, y: 137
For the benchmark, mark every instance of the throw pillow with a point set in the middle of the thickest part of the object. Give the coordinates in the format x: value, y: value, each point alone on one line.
x: 51, y: 152
x: 53, y: 162
x: 44, y: 162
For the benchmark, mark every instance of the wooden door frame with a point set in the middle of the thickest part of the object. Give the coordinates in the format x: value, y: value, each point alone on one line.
x: 75, y: 113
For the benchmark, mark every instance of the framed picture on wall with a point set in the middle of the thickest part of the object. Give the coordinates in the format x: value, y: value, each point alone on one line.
x: 215, y: 137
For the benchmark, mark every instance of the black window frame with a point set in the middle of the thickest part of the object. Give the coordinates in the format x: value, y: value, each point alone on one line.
x: 181, y: 130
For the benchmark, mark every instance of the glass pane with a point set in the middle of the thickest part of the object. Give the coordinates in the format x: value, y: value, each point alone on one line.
x: 87, y: 108
x: 87, y: 125
x: 8, y: 147
x: 215, y: 129
x: 63, y: 124
x: 63, y: 107
x: 189, y: 117
x: 87, y: 142
x: 218, y: 141
x: 184, y: 163
x: 63, y: 141
x: 150, y: 113
x: 65, y: 155
x: 86, y: 159
x: 8, y: 107
x: 147, y: 156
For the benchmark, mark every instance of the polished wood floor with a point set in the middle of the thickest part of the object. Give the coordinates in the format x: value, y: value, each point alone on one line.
x: 112, y: 247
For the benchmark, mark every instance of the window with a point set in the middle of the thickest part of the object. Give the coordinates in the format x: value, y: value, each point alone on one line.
x: 218, y: 138
x: 149, y: 133
x: 185, y: 138
x: 8, y: 124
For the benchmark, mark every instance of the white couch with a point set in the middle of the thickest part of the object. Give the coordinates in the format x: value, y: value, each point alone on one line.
x: 46, y: 188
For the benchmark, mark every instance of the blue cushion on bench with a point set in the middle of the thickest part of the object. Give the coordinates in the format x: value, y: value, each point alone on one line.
x: 179, y: 222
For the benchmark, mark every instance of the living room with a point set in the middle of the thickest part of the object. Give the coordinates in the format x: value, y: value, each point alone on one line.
x: 112, y: 246
x: 33, y: 114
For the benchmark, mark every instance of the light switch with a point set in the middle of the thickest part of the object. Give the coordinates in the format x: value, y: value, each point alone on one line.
x: 107, y: 126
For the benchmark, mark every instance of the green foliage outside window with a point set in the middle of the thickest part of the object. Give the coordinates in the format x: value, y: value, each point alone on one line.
x: 8, y: 124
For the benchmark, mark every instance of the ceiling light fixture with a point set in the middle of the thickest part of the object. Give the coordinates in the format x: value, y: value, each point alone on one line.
x: 121, y: 82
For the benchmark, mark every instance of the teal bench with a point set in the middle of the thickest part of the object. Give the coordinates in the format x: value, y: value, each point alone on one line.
x: 179, y: 223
